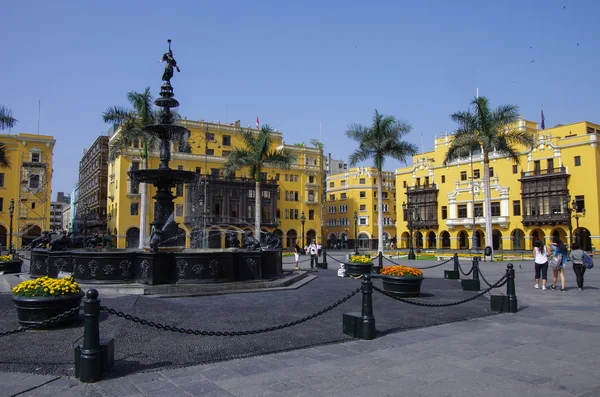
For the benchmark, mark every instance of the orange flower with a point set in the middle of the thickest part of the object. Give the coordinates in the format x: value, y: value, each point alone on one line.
x: 401, y: 271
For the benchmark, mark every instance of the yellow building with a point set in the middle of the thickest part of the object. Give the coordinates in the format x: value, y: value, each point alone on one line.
x: 27, y: 182
x: 554, y: 185
x: 286, y: 193
x: 355, y: 191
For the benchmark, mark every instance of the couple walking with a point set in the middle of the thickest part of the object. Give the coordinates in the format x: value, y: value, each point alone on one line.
x: 560, y: 256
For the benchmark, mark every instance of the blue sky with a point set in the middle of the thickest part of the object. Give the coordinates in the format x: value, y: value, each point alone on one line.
x: 296, y: 65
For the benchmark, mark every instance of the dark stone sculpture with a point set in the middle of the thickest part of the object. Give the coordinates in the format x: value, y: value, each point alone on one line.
x: 273, y: 242
x: 60, y: 243
x: 155, y: 239
x: 171, y: 63
x: 249, y: 242
x: 42, y: 241
x: 76, y: 240
x: 108, y: 240
x: 234, y: 242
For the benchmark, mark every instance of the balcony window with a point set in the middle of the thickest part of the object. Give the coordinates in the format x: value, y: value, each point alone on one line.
x: 362, y: 181
x: 515, y: 169
x: 462, y: 211
x: 478, y: 209
x: 495, y: 208
x: 516, y: 208
x: 311, y: 179
x: 34, y: 181
x: 179, y: 210
x: 444, y: 212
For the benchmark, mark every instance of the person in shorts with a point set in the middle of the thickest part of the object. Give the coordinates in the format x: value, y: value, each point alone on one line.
x: 540, y: 254
x: 297, y: 255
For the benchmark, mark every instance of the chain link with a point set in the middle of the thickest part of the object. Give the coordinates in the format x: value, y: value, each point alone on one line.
x: 227, y: 333
x: 461, y: 270
x: 416, y: 303
x: 483, y: 278
x: 423, y: 268
x: 43, y: 323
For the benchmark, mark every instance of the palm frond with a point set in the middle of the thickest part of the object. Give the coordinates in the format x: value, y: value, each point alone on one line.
x: 6, y: 119
x: 4, y: 160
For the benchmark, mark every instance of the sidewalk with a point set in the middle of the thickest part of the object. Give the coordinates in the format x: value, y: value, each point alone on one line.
x: 548, y: 348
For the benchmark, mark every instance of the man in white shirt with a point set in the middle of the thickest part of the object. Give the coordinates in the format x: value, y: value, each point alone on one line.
x: 313, y: 250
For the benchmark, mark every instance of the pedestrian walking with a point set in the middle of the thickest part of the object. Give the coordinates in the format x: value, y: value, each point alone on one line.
x: 560, y: 253
x: 540, y: 253
x: 313, y: 250
x: 577, y: 257
x: 297, y: 255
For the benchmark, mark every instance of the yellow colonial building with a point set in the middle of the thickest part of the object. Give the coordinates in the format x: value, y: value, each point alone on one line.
x: 27, y: 184
x: 554, y: 191
x: 229, y: 207
x: 355, y: 192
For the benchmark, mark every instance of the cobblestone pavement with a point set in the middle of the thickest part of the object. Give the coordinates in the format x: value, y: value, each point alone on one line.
x: 548, y: 348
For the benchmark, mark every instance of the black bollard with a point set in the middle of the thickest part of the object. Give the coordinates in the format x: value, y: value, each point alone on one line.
x: 362, y: 326
x: 453, y: 274
x: 90, y: 360
x: 377, y: 269
x: 474, y: 283
x: 506, y: 303
x: 510, y: 289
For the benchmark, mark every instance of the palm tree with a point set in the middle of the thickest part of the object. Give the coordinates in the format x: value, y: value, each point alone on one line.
x: 321, y: 146
x: 255, y: 156
x: 6, y: 121
x: 382, y: 139
x: 132, y: 122
x: 491, y: 130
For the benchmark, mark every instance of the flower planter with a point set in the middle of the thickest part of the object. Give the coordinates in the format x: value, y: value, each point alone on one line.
x: 357, y: 269
x: 408, y: 286
x: 35, y: 309
x: 13, y: 266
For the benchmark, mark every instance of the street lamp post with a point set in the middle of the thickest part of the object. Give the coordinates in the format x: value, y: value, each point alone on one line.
x: 11, y: 210
x: 577, y: 216
x: 355, y: 233
x: 302, y: 220
x: 409, y: 209
x: 345, y: 239
x: 569, y: 211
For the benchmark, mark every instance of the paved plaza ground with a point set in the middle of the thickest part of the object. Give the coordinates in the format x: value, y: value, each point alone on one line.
x: 549, y: 348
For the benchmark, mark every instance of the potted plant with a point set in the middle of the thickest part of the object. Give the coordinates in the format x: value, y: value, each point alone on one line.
x: 43, y: 298
x: 10, y: 264
x: 401, y: 280
x: 358, y: 265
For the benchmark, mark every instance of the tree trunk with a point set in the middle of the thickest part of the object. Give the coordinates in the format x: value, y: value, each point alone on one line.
x: 487, y: 211
x: 379, y: 212
x: 257, y: 202
x: 143, y: 208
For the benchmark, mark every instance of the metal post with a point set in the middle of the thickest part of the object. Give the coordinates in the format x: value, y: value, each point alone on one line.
x: 475, y: 268
x: 510, y: 289
x: 368, y: 320
x: 90, y: 369
x: 302, y: 220
x: 11, y: 210
x: 355, y: 233
x: 381, y: 260
x: 455, y: 262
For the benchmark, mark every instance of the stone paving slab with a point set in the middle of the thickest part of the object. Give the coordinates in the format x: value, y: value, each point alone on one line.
x: 547, y: 349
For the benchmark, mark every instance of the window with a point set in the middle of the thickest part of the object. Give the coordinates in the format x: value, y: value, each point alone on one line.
x: 226, y: 140
x: 332, y: 197
x: 385, y: 207
x: 285, y: 177
x: 443, y: 178
x: 135, y: 165
x: 478, y: 209
x: 277, y: 177
x: 463, y: 175
x: 536, y: 167
x: 362, y: 181
x: 311, y: 215
x: 209, y: 136
x: 363, y: 194
x: 311, y: 195
x: 35, y: 157
x: 1, y: 204
x: 215, y: 172
x: 374, y: 193
x: 343, y: 196
x: 577, y: 161
x: 295, y: 178
x: 515, y: 169
x: 580, y: 202
x: 134, y: 188
x: 225, y: 153
x: 180, y: 168
x: 491, y: 172
x: 133, y: 208
x: 384, y: 195
x: 495, y: 208
x: 331, y: 184
x: 1, y: 179
x: 342, y: 183
x: 178, y: 209
x: 418, y: 181
x: 550, y: 165
x: 362, y: 221
x: 311, y: 179
x: 476, y: 174
x: 462, y: 211
x: 363, y: 207
x: 375, y: 207
x: 136, y: 143
x: 426, y: 180
x: 34, y: 181
x: 444, y: 212
x: 210, y: 152
x: 516, y: 208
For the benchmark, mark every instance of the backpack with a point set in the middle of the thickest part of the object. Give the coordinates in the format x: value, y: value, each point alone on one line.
x: 556, y: 261
x: 588, y: 262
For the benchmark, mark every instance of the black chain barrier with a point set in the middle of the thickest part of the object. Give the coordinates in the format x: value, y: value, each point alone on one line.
x: 421, y: 268
x: 227, y: 333
x: 43, y: 323
x: 484, y: 280
x: 498, y: 284
x: 461, y: 270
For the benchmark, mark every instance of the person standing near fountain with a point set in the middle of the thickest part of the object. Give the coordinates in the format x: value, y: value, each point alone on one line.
x: 313, y: 250
x: 297, y: 255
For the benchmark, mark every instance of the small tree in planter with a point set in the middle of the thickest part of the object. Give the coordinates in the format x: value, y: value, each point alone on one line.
x: 43, y: 298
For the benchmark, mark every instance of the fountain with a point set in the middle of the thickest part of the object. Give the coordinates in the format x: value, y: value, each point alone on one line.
x: 160, y: 264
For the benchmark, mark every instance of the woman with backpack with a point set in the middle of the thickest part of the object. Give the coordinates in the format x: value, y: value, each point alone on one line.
x: 541, y: 263
x: 577, y: 257
x: 559, y: 258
